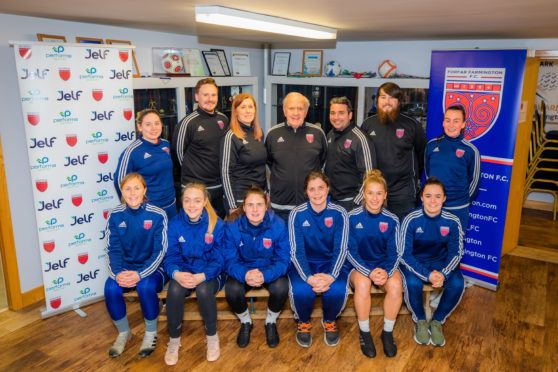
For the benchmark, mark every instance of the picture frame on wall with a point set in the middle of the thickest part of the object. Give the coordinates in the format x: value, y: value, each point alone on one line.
x: 312, y: 62
x: 223, y: 59
x: 51, y: 38
x: 89, y: 40
x: 281, y: 62
x: 136, y: 70
x: 213, y: 63
x: 241, y: 63
x: 193, y: 61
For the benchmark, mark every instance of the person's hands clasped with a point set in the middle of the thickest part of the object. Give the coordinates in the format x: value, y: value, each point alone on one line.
x: 320, y: 282
x: 128, y: 279
x: 188, y: 280
x: 254, y: 278
x: 437, y: 279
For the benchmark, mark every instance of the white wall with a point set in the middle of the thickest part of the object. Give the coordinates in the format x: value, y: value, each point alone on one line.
x: 412, y: 57
x: 20, y: 192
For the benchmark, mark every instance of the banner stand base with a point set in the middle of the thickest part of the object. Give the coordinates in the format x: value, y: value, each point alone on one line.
x: 480, y: 283
x: 80, y: 312
x: 47, y: 314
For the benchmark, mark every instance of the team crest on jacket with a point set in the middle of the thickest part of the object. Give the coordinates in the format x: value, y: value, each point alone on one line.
x: 310, y: 138
x: 208, y: 238
x: 221, y: 124
x: 348, y: 143
x: 267, y: 243
x: 399, y: 132
x: 383, y: 226
x: 166, y: 149
x: 444, y: 230
x: 459, y: 152
x: 328, y: 221
x: 147, y: 224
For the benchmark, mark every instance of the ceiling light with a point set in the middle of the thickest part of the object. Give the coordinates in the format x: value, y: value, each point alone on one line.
x: 218, y: 15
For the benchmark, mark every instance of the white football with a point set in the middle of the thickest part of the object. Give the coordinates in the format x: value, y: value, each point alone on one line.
x: 172, y: 62
x: 387, y: 68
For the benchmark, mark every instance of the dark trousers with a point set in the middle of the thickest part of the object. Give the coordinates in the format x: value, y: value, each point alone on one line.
x: 235, y: 292
x: 401, y: 207
x: 217, y: 201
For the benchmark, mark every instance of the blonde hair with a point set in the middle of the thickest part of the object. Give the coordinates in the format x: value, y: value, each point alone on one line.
x: 128, y: 178
x: 208, y: 207
x: 235, y: 124
x: 373, y: 176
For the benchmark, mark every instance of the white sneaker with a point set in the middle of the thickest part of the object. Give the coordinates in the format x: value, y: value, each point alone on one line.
x: 148, y: 344
x: 213, y: 350
x: 119, y: 344
x: 171, y: 356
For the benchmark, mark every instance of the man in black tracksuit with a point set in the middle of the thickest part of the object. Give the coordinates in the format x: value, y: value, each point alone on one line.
x: 400, y: 143
x: 350, y: 154
x: 294, y: 149
x: 196, y: 142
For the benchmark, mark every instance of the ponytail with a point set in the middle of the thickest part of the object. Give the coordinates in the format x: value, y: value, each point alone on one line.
x: 373, y: 176
x: 208, y: 207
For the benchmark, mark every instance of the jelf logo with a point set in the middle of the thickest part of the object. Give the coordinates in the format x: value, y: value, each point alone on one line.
x: 37, y: 74
x: 41, y: 185
x: 41, y: 143
x: 96, y: 54
x: 81, y: 220
x: 79, y: 160
x: 25, y: 52
x: 104, y: 115
x: 33, y: 118
x: 54, y: 204
x: 124, y: 74
x: 71, y: 96
x: 479, y: 92
x: 82, y: 277
x: 127, y: 136
x: 105, y: 177
x: 49, y: 245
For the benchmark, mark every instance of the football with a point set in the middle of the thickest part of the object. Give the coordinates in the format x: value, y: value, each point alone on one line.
x: 387, y: 68
x: 172, y: 63
x: 332, y: 68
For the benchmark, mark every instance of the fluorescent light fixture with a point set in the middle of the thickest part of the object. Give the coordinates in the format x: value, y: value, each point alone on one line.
x: 218, y: 15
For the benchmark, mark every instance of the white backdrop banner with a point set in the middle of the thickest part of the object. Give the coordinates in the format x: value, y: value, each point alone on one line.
x: 77, y: 102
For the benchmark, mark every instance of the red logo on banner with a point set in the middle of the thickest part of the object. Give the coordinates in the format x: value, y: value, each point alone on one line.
x: 127, y: 114
x: 310, y: 138
x: 328, y: 221
x: 444, y: 230
x: 48, y: 246
x: 71, y: 139
x: 348, y: 143
x: 64, y: 73
x: 55, y: 302
x: 383, y: 226
x: 208, y: 238
x: 123, y: 54
x: 459, y: 152
x: 103, y: 157
x: 82, y: 258
x: 25, y: 52
x: 76, y: 200
x: 33, y: 118
x: 267, y: 243
x: 399, y: 132
x: 97, y: 94
x: 148, y: 223
x: 105, y: 213
x: 41, y: 185
x: 221, y: 124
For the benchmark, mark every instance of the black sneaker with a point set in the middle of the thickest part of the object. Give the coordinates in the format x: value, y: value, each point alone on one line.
x: 331, y: 336
x: 243, y: 338
x: 271, y: 335
x: 390, y: 349
x: 367, y: 344
x: 303, y: 336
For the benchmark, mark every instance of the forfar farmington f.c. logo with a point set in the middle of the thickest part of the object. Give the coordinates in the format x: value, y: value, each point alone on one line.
x: 479, y: 92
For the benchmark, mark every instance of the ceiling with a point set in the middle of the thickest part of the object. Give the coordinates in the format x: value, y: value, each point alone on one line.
x: 356, y: 20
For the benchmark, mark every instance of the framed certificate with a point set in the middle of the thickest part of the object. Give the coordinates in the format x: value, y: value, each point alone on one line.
x: 213, y: 63
x: 241, y: 63
x: 312, y: 62
x: 55, y: 38
x: 223, y: 59
x: 193, y: 62
x: 281, y: 63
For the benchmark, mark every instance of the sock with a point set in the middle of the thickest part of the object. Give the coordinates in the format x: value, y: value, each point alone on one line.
x: 244, y: 317
x: 271, y: 316
x: 151, y: 325
x: 122, y: 324
x: 388, y: 325
x: 212, y: 337
x: 364, y: 325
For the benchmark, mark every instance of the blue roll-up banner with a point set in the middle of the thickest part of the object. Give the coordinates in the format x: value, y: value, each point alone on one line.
x: 488, y: 84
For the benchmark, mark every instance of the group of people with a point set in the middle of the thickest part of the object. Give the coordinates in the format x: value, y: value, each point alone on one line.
x: 327, y: 219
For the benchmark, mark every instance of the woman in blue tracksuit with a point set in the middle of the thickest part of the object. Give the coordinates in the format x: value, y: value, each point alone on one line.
x: 256, y: 255
x: 149, y: 155
x: 374, y: 254
x: 243, y: 153
x: 136, y: 238
x: 432, y: 243
x: 194, y: 261
x: 455, y: 162
x: 318, y: 233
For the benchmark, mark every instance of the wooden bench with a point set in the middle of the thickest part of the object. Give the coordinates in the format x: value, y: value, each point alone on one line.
x: 225, y: 313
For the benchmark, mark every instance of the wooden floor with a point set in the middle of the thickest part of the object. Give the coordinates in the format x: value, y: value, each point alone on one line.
x: 513, y: 329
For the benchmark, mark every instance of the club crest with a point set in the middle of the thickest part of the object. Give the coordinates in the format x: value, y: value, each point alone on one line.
x: 48, y: 246
x: 82, y: 258
x: 444, y: 230
x: 208, y: 238
x: 55, y: 302
x: 399, y: 132
x: 33, y: 118
x: 105, y: 213
x: 71, y: 139
x: 348, y: 143
x: 459, y: 152
x: 103, y: 157
x: 127, y: 114
x: 267, y: 243
x: 479, y: 92
x: 77, y: 199
x: 147, y: 224
x: 25, y: 52
x: 64, y: 73
x: 328, y: 221
x: 97, y: 94
x: 221, y: 124
x: 383, y: 226
x: 310, y: 138
x: 41, y: 185
x: 123, y: 54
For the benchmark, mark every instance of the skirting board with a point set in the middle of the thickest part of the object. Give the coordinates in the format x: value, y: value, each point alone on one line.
x: 542, y: 206
x: 32, y: 296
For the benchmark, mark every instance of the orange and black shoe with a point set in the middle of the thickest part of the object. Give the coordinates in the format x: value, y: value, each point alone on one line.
x: 331, y: 336
x: 303, y: 336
